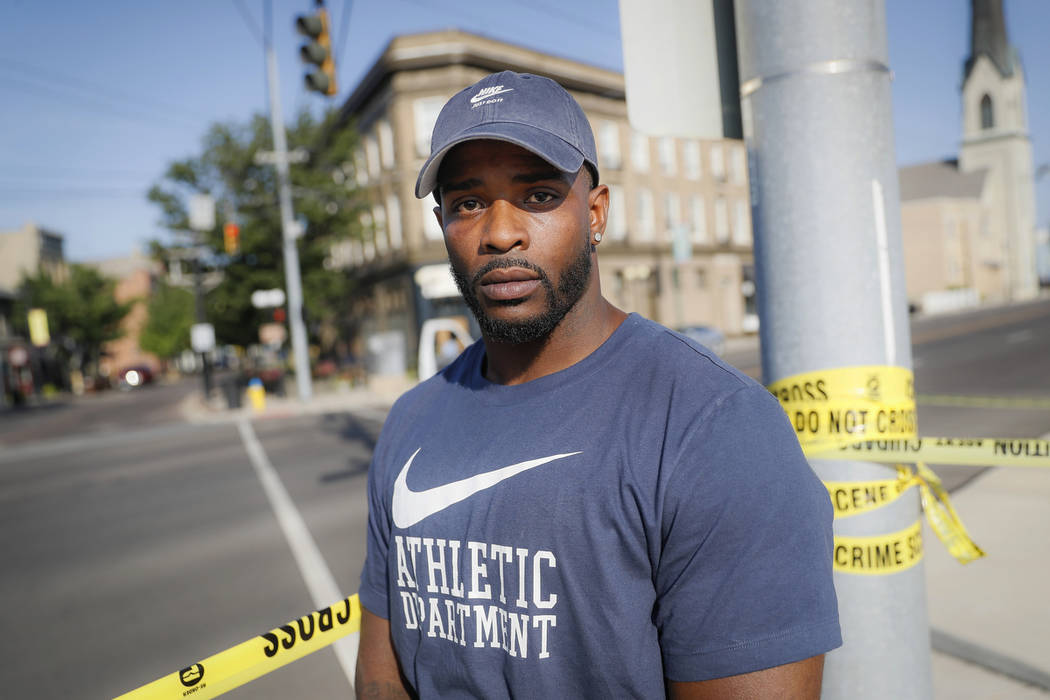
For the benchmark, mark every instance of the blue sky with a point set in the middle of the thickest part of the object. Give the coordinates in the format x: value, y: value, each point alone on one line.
x: 98, y: 97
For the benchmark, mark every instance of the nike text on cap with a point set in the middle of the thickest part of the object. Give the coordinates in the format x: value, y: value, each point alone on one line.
x: 527, y: 110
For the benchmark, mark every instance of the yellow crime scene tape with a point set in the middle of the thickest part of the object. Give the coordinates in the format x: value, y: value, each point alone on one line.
x: 881, y: 554
x: 865, y: 413
x: 258, y: 656
x: 868, y: 413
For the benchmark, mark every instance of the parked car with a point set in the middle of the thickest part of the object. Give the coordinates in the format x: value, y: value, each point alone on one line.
x: 134, y: 377
x: 708, y: 336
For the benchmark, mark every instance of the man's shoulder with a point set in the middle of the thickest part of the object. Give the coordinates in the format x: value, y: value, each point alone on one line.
x: 453, y: 378
x: 662, y: 352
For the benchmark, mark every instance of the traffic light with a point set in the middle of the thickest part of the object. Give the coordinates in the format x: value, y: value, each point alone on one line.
x: 317, y: 51
x: 231, y: 238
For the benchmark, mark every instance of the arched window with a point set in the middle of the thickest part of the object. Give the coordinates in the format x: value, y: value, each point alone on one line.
x: 987, y: 113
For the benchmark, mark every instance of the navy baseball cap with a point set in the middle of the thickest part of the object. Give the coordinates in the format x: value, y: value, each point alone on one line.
x: 530, y: 111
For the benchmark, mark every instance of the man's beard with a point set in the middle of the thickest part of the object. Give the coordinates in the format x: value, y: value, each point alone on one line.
x: 571, y: 286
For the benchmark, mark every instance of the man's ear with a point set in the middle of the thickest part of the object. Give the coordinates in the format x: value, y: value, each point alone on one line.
x: 598, y: 206
x: 437, y: 213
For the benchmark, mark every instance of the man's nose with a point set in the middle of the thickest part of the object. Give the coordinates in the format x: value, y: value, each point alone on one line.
x: 504, y: 229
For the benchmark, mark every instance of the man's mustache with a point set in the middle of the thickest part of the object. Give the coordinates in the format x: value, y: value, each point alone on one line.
x: 504, y: 263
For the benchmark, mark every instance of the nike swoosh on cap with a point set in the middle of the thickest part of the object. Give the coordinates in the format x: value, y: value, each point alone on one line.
x: 409, y: 507
x: 485, y: 96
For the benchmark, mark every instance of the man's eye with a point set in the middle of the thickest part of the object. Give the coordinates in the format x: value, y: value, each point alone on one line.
x: 468, y: 205
x: 540, y: 198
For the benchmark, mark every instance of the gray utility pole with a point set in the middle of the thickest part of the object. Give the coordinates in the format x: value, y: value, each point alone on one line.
x: 289, y: 230
x: 815, y: 94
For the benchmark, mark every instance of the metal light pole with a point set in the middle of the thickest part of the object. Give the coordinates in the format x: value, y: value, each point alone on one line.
x: 815, y: 93
x: 289, y: 228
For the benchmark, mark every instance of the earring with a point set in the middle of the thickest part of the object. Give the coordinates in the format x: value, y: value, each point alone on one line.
x: 597, y: 236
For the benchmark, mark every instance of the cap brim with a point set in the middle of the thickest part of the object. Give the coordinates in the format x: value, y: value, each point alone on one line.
x: 551, y: 148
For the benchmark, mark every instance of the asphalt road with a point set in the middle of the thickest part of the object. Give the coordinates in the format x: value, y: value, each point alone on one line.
x: 135, y: 544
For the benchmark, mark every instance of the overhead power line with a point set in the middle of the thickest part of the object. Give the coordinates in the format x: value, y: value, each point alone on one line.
x: 22, y: 193
x: 21, y: 70
x: 20, y: 169
x: 98, y: 104
x: 249, y: 22
x: 344, y: 26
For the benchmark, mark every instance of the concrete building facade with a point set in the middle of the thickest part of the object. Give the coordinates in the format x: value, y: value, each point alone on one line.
x: 23, y: 252
x: 678, y: 246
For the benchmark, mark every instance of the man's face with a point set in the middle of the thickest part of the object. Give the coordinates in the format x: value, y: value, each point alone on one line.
x: 517, y: 231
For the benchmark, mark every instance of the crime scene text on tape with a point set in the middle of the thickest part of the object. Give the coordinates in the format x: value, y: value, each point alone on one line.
x: 879, y: 554
x: 258, y: 656
x: 868, y: 412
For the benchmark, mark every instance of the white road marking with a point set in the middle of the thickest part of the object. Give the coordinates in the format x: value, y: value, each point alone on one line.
x: 316, y: 574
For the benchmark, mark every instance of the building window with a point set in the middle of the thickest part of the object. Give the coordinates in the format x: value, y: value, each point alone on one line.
x: 739, y: 174
x: 372, y: 156
x: 671, y: 212
x: 609, y: 145
x: 987, y: 113
x: 640, y: 152
x: 616, y: 227
x: 386, y: 144
x: 721, y: 221
x: 665, y: 152
x: 718, y: 163
x: 425, y: 112
x: 646, y: 216
x: 691, y: 156
x: 698, y: 219
x: 368, y: 235
x: 393, y: 223
x: 741, y: 231
x: 431, y: 227
x: 379, y: 217
x: 360, y: 167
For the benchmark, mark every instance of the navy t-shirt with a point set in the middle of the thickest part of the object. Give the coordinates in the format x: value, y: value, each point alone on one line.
x: 643, y: 514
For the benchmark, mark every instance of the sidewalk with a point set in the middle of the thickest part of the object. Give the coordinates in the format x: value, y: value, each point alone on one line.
x: 999, y: 603
x: 327, y: 397
x: 994, y: 611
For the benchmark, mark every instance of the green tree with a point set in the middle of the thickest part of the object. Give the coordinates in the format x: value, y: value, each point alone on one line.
x: 82, y: 312
x: 170, y: 316
x: 246, y: 192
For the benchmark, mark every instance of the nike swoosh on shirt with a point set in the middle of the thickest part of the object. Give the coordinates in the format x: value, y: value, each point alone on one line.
x: 409, y: 507
x: 479, y: 98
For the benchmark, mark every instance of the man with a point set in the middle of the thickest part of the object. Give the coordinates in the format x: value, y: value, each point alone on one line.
x: 584, y: 504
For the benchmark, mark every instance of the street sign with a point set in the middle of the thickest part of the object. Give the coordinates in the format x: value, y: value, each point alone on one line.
x: 38, y: 332
x: 684, y: 49
x: 202, y: 337
x: 17, y: 356
x: 267, y: 298
x: 202, y: 212
x: 296, y: 155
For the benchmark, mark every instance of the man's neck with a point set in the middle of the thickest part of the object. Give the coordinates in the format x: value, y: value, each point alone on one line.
x: 580, y: 333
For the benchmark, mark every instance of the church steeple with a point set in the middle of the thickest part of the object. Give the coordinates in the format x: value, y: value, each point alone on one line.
x: 988, y: 37
x: 995, y: 142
